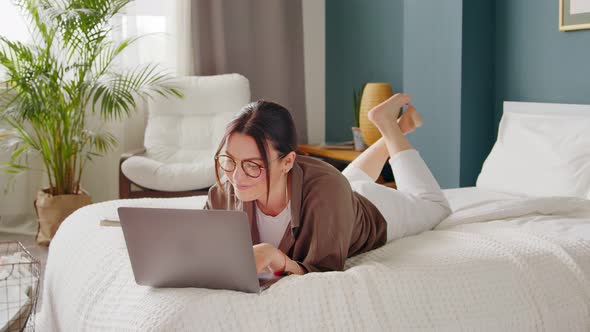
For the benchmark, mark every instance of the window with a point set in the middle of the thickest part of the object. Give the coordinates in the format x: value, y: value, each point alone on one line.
x: 12, y: 25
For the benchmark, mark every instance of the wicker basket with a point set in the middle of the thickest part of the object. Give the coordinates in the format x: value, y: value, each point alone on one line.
x: 373, y: 95
x: 19, y: 287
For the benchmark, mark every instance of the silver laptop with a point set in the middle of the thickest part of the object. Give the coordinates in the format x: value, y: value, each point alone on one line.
x: 192, y: 248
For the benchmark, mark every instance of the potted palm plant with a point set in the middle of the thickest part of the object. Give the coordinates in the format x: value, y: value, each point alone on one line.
x: 54, y: 85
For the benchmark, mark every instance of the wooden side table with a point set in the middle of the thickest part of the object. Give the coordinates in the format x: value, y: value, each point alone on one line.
x: 338, y: 158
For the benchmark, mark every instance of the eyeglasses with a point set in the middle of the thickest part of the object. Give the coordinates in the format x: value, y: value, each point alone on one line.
x: 249, y: 167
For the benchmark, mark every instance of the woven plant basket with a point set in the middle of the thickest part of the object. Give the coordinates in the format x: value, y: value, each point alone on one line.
x: 373, y: 95
x: 52, y: 210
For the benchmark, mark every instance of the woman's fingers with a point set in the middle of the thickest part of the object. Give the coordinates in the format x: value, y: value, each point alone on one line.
x: 267, y: 257
x: 260, y: 257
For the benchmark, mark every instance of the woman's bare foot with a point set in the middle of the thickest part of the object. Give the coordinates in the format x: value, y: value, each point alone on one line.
x: 387, y: 112
x: 410, y: 120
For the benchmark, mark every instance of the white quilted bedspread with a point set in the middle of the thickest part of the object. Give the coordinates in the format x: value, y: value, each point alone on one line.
x: 529, y: 271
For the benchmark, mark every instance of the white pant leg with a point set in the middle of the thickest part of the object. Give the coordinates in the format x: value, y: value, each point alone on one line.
x: 417, y: 205
x: 353, y: 174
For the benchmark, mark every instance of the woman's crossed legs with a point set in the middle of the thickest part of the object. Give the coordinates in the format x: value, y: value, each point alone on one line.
x: 418, y: 204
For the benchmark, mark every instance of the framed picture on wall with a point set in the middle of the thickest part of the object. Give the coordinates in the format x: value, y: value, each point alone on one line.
x: 574, y: 14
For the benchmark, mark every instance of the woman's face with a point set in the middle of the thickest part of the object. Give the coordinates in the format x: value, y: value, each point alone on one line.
x: 244, y: 151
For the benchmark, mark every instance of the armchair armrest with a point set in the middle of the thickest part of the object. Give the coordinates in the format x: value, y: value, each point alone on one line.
x: 131, y: 153
x: 124, y: 182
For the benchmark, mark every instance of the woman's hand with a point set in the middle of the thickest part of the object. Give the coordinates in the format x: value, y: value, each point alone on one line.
x: 268, y: 257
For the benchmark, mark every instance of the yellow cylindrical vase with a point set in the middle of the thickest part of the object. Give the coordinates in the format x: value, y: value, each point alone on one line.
x: 373, y: 95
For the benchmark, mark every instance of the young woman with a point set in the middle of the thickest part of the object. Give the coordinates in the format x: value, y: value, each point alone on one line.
x: 306, y: 216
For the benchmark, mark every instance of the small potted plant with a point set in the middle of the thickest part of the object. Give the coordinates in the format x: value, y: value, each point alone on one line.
x: 55, y: 84
x: 357, y: 138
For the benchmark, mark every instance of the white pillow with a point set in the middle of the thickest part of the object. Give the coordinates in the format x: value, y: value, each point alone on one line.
x: 542, y: 150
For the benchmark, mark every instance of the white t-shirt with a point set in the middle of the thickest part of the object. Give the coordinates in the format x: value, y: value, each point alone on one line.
x: 272, y: 229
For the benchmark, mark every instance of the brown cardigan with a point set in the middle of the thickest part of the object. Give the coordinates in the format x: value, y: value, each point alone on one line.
x: 329, y: 221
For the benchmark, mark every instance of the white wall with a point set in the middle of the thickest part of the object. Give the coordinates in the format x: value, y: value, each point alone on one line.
x: 101, y: 177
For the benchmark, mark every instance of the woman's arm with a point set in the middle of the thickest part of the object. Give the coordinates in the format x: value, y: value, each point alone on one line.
x: 294, y: 267
x: 325, y: 233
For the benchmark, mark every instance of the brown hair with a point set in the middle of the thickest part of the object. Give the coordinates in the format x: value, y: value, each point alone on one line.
x: 264, y: 121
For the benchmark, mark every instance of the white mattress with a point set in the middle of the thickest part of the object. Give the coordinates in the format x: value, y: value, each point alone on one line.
x: 526, y: 271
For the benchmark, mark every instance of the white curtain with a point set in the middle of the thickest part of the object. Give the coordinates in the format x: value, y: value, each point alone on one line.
x: 168, y: 43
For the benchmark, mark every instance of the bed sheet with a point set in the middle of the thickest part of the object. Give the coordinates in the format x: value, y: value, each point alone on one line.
x: 526, y: 271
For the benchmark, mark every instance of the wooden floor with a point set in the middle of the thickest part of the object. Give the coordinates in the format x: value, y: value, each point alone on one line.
x: 39, y: 252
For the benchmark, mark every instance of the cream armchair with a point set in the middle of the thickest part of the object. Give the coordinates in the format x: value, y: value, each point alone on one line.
x: 181, y: 138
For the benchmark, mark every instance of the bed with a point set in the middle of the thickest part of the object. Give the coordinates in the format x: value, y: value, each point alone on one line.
x: 513, y: 256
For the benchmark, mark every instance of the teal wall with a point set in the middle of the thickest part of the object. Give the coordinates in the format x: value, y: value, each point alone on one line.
x: 459, y: 59
x: 535, y: 61
x: 432, y: 75
x: 401, y: 43
x: 477, y: 89
x: 363, y: 44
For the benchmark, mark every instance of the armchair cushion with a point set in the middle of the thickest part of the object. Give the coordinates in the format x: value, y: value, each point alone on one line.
x: 156, y: 175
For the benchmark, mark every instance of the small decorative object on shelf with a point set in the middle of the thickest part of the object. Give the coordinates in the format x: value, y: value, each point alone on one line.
x: 357, y: 136
x: 373, y: 95
x: 19, y: 287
